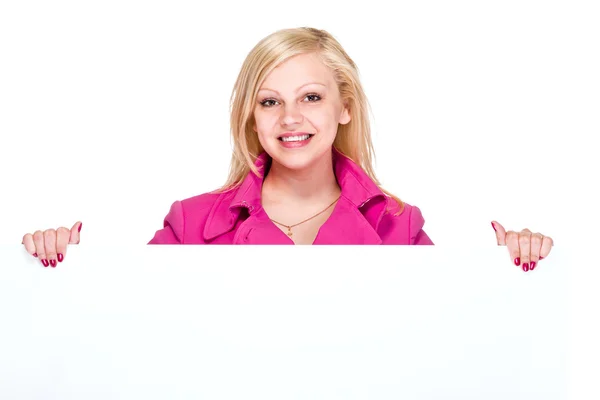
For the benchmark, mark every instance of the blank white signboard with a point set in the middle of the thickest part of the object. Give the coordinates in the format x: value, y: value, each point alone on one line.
x: 278, y: 322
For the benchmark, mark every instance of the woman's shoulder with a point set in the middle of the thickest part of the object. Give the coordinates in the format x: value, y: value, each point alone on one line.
x: 199, y: 206
x: 186, y: 218
x: 402, y: 212
x: 203, y: 201
x: 403, y: 222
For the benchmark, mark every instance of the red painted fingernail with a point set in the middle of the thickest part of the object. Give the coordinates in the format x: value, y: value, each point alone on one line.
x: 80, y: 225
x: 532, y: 266
x: 541, y: 258
x: 60, y: 257
x: 53, y: 263
x: 517, y: 261
x: 494, y: 226
x: 35, y: 254
x: 525, y: 267
x: 45, y: 262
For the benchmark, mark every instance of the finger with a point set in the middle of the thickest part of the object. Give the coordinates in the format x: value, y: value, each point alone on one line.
x: 62, y: 239
x: 75, y: 233
x: 29, y: 244
x: 525, y: 248
x: 536, y: 245
x: 40, y: 249
x: 500, y: 233
x: 512, y: 242
x: 547, y: 244
x: 50, y: 244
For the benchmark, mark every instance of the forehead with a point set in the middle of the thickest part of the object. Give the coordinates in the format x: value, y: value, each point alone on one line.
x: 297, y: 71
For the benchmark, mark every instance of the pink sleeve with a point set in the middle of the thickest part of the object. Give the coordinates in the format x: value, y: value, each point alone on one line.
x: 417, y: 234
x: 173, y: 226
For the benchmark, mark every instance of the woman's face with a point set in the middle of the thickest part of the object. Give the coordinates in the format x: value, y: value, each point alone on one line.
x: 298, y: 110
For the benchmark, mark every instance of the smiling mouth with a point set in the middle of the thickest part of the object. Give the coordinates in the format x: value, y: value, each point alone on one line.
x: 298, y: 138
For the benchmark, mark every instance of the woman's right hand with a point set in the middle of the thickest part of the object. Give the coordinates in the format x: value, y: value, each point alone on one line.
x: 50, y: 246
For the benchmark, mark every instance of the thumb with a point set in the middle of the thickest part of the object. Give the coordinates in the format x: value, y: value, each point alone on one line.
x: 75, y: 232
x: 500, y: 233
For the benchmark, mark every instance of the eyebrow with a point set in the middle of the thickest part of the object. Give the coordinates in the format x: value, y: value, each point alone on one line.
x: 297, y: 90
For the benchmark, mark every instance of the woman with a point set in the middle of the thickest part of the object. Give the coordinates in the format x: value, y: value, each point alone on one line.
x: 301, y: 170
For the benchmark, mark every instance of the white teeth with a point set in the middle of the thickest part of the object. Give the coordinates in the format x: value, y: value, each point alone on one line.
x: 295, y: 138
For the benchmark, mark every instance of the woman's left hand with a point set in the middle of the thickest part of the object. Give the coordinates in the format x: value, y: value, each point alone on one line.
x: 525, y: 248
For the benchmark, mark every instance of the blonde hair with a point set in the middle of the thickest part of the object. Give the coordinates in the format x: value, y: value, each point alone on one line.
x: 353, y: 139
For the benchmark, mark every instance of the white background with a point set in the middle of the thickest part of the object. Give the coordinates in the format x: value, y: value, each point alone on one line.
x: 110, y: 111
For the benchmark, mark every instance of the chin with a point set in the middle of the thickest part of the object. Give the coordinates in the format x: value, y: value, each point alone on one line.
x: 299, y: 159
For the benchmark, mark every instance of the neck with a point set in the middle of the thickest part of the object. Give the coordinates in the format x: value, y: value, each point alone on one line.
x: 313, y: 183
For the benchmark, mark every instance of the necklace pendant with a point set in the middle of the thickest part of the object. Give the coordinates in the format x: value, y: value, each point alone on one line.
x: 289, y: 232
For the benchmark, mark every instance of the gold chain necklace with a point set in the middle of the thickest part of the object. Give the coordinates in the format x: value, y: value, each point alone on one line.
x: 289, y: 227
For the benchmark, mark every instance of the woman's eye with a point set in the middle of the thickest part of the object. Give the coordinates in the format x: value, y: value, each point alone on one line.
x: 267, y: 102
x: 312, y: 98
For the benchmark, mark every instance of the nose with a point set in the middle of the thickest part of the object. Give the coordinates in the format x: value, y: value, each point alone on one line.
x: 291, y: 115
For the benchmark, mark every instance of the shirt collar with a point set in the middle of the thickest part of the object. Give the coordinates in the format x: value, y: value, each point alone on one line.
x: 356, y: 186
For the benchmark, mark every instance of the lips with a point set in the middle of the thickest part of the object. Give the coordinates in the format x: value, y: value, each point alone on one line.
x: 295, y: 140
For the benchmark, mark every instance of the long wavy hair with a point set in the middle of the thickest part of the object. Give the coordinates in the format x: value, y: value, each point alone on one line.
x: 353, y: 140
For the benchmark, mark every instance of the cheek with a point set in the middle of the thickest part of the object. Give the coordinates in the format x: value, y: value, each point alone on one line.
x: 264, y: 127
x: 264, y: 122
x: 323, y: 119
